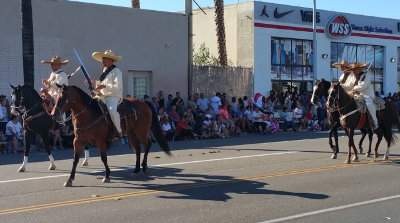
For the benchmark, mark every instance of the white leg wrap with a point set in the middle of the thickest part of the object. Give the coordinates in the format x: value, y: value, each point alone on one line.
x: 87, y: 154
x: 51, y: 158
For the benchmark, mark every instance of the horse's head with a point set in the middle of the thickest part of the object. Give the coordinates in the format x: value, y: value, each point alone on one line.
x: 320, y: 89
x: 333, y: 95
x: 23, y: 98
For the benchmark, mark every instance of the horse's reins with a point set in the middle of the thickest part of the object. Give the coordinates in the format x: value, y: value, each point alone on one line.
x: 339, y: 109
x: 80, y: 113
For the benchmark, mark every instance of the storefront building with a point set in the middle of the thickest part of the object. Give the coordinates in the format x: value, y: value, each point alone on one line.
x: 282, y: 45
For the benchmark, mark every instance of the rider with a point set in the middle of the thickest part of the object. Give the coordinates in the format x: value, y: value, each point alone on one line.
x: 109, y: 87
x: 57, y: 77
x: 365, y: 89
x: 347, y: 80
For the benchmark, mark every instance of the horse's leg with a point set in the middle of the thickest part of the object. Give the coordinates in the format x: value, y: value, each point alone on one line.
x: 87, y: 156
x: 378, y: 142
x: 363, y: 134
x: 335, y: 135
x: 48, y: 142
x: 330, y: 139
x: 134, y: 143
x: 370, y: 135
x: 353, y: 145
x: 147, y: 147
x: 28, y: 136
x: 77, y: 152
x: 350, y: 144
x: 103, y: 154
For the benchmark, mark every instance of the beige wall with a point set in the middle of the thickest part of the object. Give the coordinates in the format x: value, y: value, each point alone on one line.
x: 10, y: 46
x: 148, y: 41
x: 238, y: 31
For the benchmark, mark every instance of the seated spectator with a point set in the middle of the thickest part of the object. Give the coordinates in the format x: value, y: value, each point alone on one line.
x: 167, y: 128
x: 287, y: 117
x: 13, y: 133
x: 259, y: 121
x: 202, y: 103
x: 206, y: 127
x: 67, y: 134
x: 57, y: 139
x: 299, y: 115
x: 173, y: 115
x: 183, y: 130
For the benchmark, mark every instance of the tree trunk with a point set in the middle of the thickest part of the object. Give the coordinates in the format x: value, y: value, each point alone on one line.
x: 27, y: 42
x: 136, y: 4
x: 219, y: 21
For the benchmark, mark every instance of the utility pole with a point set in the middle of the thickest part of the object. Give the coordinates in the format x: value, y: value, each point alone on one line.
x: 188, y: 12
x: 314, y: 50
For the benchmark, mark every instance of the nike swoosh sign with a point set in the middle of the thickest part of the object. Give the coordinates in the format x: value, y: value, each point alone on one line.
x: 278, y: 15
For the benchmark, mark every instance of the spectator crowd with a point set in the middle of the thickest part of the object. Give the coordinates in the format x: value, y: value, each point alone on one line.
x: 201, y: 117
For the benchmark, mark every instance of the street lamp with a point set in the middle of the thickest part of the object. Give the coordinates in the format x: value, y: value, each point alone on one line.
x: 314, y: 39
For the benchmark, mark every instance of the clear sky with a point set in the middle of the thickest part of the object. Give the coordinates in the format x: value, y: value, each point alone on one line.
x: 380, y: 8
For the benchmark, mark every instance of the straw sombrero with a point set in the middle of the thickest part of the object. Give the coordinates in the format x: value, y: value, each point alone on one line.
x: 98, y: 56
x: 357, y: 66
x: 343, y: 65
x: 55, y: 60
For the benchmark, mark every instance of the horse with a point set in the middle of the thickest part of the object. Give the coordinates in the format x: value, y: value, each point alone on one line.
x: 93, y: 126
x: 320, y: 89
x: 28, y: 103
x: 350, y: 117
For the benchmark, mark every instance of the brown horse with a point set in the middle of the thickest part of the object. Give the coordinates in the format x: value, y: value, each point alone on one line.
x: 92, y: 126
x: 350, y: 117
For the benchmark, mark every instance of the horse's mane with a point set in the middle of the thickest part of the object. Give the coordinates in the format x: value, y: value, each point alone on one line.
x: 30, y: 92
x: 87, y: 100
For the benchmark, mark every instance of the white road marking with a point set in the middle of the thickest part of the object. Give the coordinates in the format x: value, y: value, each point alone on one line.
x: 337, y: 208
x: 159, y: 165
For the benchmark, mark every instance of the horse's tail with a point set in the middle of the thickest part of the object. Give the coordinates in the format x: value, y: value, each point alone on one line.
x: 157, y: 131
x: 388, y: 121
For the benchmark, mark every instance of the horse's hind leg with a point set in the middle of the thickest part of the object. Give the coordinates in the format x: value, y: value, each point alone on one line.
x: 335, y: 135
x: 146, y: 153
x: 134, y: 143
x: 363, y: 134
x: 370, y: 135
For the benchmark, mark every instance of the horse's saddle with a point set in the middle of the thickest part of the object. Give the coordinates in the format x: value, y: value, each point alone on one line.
x: 124, y: 108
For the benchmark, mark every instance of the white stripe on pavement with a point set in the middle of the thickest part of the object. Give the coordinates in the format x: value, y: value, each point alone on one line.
x: 159, y: 165
x: 337, y: 208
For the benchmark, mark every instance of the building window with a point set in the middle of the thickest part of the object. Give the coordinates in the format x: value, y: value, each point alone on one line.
x: 139, y: 83
x: 359, y: 53
x: 291, y: 59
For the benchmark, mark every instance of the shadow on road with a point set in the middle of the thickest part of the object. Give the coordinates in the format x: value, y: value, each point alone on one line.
x: 196, y: 186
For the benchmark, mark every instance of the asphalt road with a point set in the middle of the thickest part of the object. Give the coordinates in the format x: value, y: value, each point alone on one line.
x: 270, y: 178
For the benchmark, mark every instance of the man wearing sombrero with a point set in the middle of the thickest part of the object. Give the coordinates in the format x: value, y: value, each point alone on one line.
x: 57, y: 76
x: 365, y: 89
x: 109, y: 87
x: 347, y: 80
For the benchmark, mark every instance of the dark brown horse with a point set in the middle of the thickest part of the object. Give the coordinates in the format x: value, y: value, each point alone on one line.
x: 350, y: 119
x: 92, y: 126
x: 321, y: 89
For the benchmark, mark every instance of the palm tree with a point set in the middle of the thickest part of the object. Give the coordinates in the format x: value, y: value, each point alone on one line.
x: 27, y: 42
x: 219, y: 21
x: 136, y: 4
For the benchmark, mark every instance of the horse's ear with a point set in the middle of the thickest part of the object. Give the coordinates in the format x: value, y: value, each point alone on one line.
x: 12, y: 86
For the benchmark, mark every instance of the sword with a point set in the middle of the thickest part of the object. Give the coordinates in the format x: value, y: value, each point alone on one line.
x: 75, y: 72
x: 84, y: 71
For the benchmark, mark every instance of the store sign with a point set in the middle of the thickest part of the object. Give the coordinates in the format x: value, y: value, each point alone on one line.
x: 371, y: 29
x: 278, y: 15
x: 338, y: 27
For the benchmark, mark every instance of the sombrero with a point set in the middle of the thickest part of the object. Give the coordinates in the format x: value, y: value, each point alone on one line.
x: 357, y: 66
x: 343, y: 65
x: 98, y: 56
x: 55, y: 60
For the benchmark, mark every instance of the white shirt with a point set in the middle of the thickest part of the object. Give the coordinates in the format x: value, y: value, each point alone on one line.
x: 166, y: 127
x: 13, y: 128
x: 350, y: 82
x: 364, y: 86
x: 57, y: 77
x: 112, y: 83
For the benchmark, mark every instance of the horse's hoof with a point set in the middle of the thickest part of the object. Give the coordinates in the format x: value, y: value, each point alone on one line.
x: 106, y: 180
x: 85, y: 163
x: 137, y: 170
x: 68, y: 183
x: 386, y: 157
x: 355, y: 159
x: 52, y: 166
x: 21, y: 169
x: 368, y: 155
x: 334, y: 156
x: 348, y: 161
